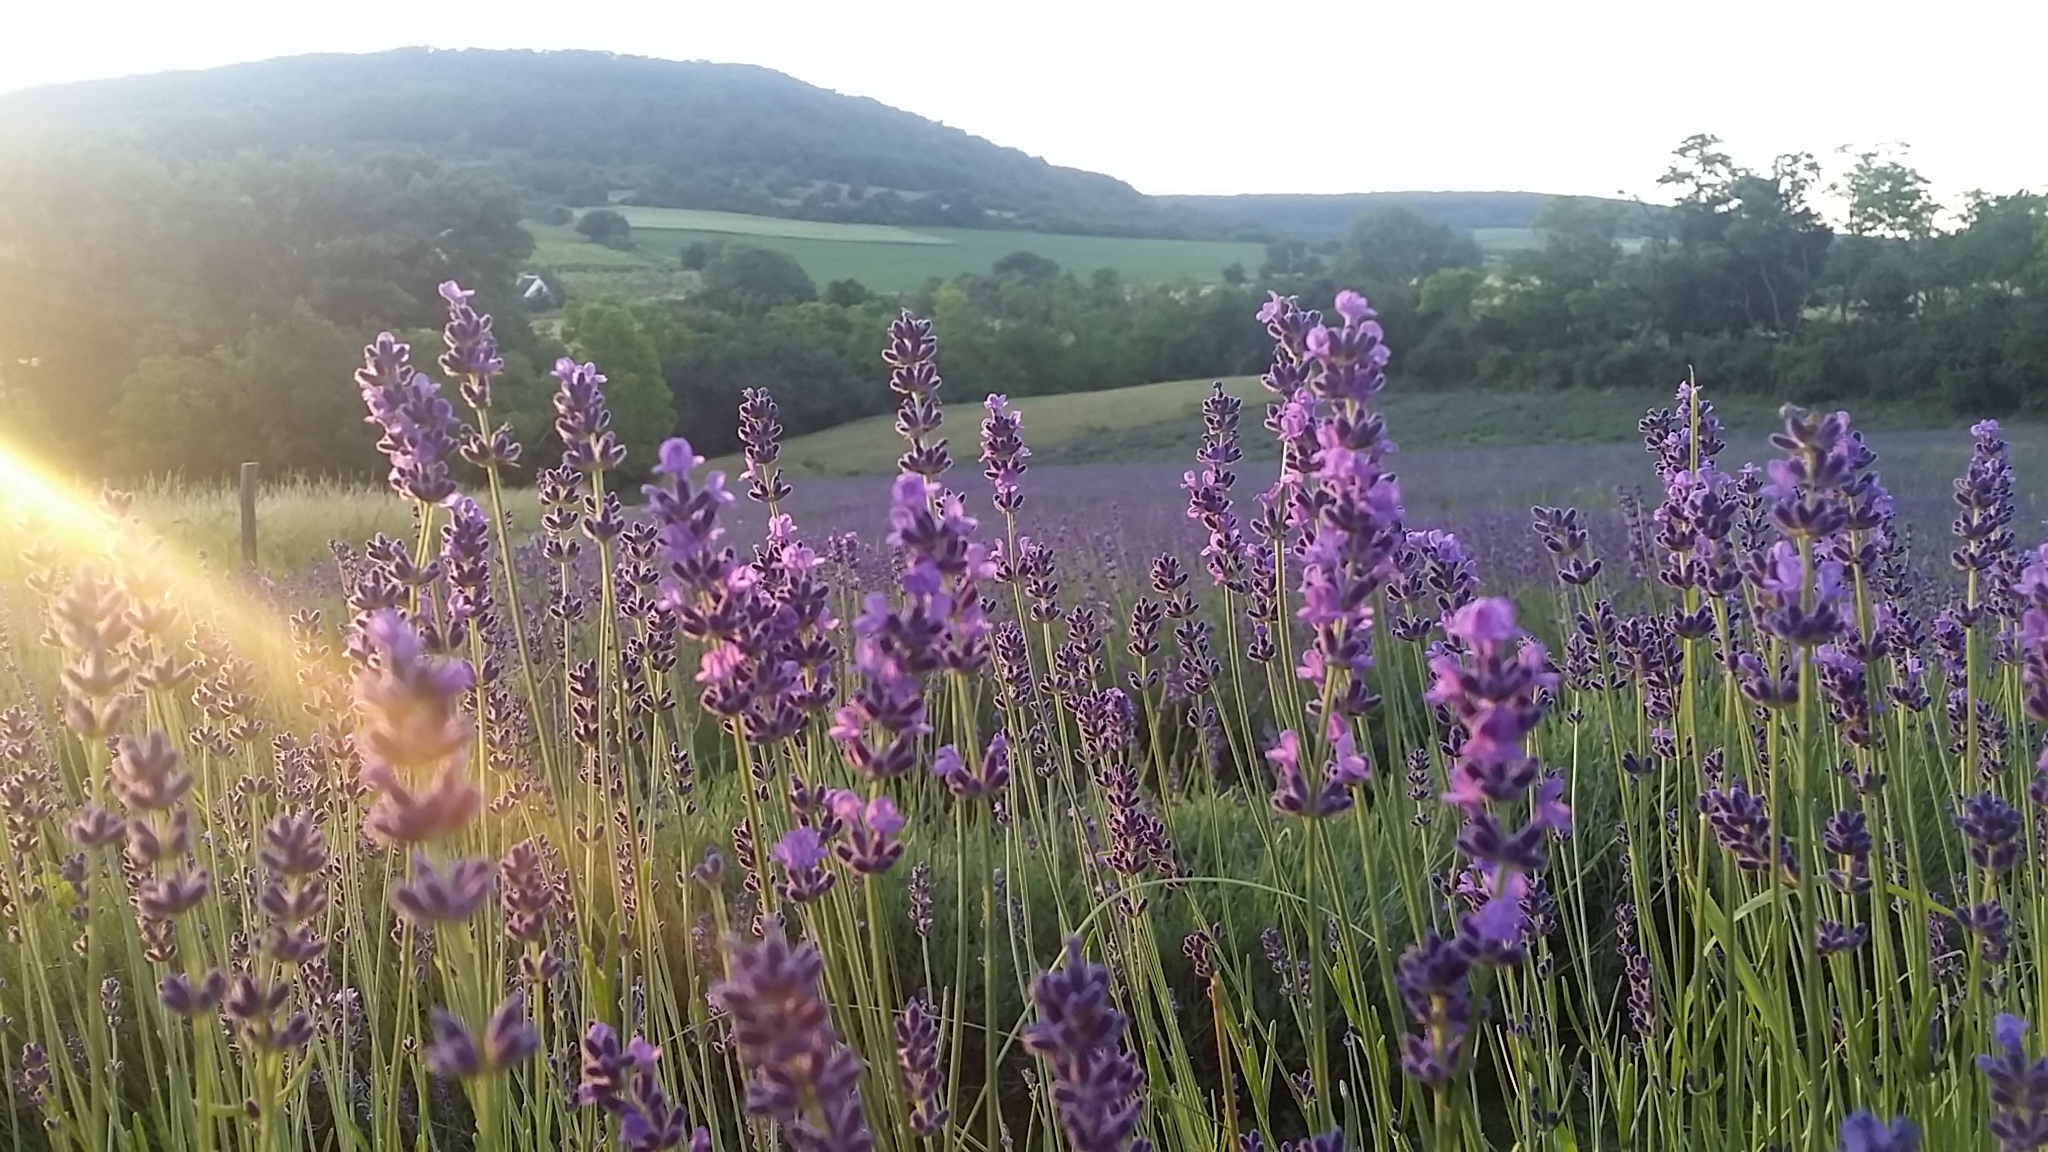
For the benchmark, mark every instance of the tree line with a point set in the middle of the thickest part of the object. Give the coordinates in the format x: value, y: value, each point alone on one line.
x: 158, y: 318
x: 1742, y: 281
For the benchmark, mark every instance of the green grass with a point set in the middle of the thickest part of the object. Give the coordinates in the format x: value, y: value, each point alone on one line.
x: 884, y: 258
x: 294, y: 519
x: 1154, y: 422
x: 738, y: 224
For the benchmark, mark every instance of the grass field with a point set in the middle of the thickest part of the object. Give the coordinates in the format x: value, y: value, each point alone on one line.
x: 1162, y: 422
x: 884, y: 258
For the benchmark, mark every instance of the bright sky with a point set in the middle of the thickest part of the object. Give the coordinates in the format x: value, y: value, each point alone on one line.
x: 1566, y: 96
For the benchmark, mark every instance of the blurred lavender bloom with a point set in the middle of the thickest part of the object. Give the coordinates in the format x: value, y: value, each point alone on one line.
x: 2019, y: 1088
x: 917, y: 1055
x: 802, y: 1075
x: 1864, y: 1132
x: 434, y: 894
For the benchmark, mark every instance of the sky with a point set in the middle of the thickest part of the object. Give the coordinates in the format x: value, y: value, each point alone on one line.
x: 1563, y: 96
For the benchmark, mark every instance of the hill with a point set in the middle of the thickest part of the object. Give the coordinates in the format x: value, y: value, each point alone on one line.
x: 1325, y: 217
x: 581, y: 128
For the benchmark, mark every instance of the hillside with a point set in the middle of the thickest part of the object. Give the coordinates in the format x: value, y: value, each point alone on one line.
x: 1313, y: 217
x: 579, y: 128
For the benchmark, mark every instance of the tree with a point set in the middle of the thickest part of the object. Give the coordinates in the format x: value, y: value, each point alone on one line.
x: 746, y: 279
x: 606, y: 333
x: 1027, y: 266
x: 606, y: 227
x: 281, y: 397
x: 1887, y: 199
x: 1394, y: 246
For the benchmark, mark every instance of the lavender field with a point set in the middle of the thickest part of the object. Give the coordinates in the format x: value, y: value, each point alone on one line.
x: 1556, y: 797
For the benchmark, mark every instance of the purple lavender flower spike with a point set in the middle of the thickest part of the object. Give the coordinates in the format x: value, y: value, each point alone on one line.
x: 1434, y: 980
x: 1078, y: 1033
x: 1495, y: 696
x: 871, y: 846
x: 472, y: 356
x: 443, y: 895
x: 418, y: 428
x: 802, y: 856
x: 802, y: 1075
x: 2019, y: 1088
x: 917, y: 1055
x: 582, y: 419
x: 912, y: 357
x: 1003, y: 453
x: 760, y: 434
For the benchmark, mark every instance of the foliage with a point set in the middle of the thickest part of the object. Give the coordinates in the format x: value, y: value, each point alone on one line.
x: 606, y: 227
x: 109, y: 259
x: 744, y: 278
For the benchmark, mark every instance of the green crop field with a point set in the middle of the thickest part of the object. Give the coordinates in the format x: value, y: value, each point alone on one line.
x: 739, y: 224
x: 884, y: 258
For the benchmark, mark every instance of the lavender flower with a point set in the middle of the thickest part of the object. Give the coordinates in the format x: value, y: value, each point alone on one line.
x: 871, y: 846
x: 1003, y: 453
x: 2019, y: 1088
x: 1095, y: 1083
x: 917, y: 1054
x: 582, y: 420
x: 802, y: 1076
x: 912, y: 357
x: 417, y: 426
x: 435, y: 894
x: 621, y: 1080
x: 761, y: 441
x: 509, y: 1040
x: 1863, y: 1132
x: 1494, y: 697
x: 802, y: 855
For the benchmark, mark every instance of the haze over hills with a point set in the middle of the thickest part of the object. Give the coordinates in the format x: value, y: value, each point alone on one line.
x: 580, y: 128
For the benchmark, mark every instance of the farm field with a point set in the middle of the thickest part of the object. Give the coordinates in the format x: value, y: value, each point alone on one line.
x: 1162, y: 423
x: 885, y: 259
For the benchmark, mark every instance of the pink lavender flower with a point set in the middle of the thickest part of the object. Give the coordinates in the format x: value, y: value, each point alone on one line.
x: 870, y: 846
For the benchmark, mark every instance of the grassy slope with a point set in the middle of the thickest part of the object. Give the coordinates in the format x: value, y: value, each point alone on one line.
x: 1157, y: 422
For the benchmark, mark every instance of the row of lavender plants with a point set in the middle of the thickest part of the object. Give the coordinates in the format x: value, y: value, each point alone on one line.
x: 635, y: 835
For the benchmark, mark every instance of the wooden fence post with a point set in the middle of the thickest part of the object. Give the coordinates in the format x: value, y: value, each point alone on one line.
x: 249, y: 515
